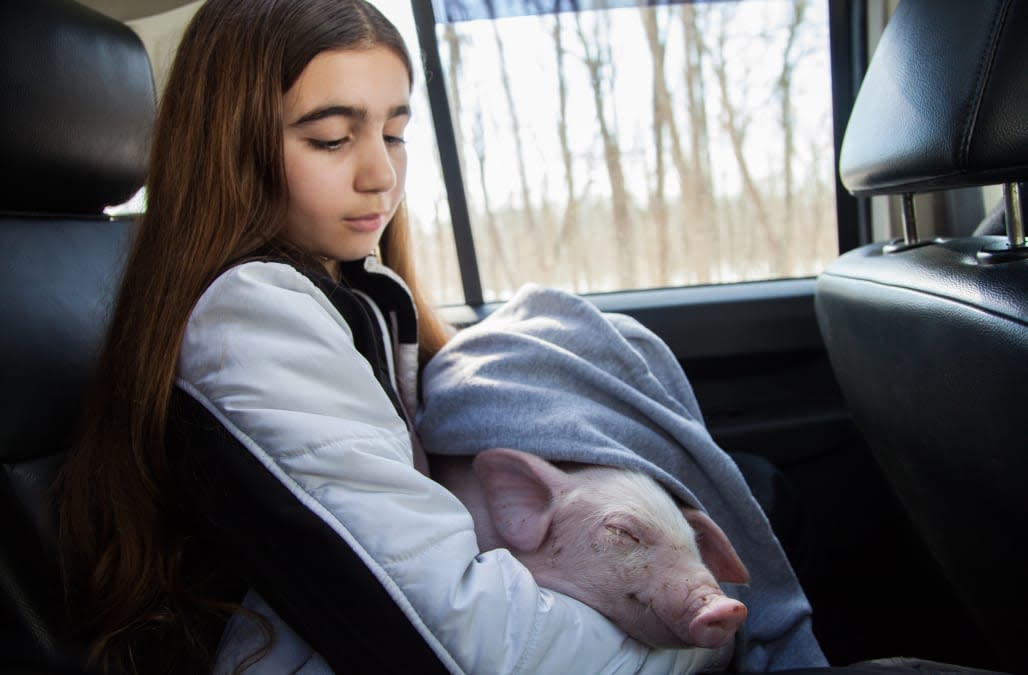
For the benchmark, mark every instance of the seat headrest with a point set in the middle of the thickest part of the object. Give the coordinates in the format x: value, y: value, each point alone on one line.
x: 944, y: 103
x: 77, y: 108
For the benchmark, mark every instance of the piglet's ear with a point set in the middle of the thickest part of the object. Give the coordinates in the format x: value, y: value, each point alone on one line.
x: 717, y: 552
x: 519, y: 490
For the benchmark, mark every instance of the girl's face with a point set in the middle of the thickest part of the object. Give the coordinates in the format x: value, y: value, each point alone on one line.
x: 345, y: 159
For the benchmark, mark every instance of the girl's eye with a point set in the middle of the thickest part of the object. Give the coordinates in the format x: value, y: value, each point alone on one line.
x: 319, y: 144
x: 395, y: 140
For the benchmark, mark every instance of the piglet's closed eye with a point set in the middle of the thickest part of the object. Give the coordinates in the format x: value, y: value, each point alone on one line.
x: 519, y: 491
x: 717, y: 552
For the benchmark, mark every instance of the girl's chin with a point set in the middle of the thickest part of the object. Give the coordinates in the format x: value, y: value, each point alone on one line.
x: 356, y: 250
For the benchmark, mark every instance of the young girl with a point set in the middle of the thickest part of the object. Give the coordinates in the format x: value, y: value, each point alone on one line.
x: 249, y: 430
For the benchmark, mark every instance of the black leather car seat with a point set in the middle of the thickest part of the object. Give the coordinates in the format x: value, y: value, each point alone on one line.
x: 77, y: 109
x: 929, y: 339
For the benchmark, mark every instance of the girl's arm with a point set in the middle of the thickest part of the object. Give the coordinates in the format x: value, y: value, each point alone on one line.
x: 270, y: 358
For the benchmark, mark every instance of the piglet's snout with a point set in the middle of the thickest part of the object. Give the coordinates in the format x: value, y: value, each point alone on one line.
x: 716, y: 621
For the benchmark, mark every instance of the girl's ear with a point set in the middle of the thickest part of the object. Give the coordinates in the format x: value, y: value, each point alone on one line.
x: 717, y: 552
x: 519, y: 490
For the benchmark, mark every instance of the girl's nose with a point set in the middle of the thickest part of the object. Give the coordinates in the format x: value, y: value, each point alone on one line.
x: 376, y: 172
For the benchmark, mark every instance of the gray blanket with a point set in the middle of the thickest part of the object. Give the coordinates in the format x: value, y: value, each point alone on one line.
x: 549, y: 374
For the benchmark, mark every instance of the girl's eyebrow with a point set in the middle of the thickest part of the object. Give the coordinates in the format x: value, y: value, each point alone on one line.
x: 348, y: 111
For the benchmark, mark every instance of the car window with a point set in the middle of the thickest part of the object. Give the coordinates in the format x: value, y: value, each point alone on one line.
x: 623, y: 146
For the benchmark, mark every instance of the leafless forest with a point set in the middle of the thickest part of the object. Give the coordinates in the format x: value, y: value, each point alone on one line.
x: 638, y: 148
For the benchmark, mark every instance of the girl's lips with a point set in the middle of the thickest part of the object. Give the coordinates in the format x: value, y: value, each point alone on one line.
x: 366, y: 223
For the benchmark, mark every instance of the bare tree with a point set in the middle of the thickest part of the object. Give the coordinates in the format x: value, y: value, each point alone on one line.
x: 735, y: 123
x: 597, y: 61
x: 662, y: 119
x: 698, y: 190
x: 783, y: 88
x: 823, y: 241
x: 527, y: 208
x: 453, y: 63
x: 499, y: 261
x: 569, y: 240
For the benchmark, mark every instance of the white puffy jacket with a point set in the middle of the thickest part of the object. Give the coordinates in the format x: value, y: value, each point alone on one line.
x: 317, y: 496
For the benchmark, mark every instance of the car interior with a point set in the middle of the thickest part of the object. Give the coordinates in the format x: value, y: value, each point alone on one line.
x: 886, y: 394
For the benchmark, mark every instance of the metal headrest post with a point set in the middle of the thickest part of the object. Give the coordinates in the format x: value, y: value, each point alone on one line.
x: 1016, y: 246
x: 910, y: 239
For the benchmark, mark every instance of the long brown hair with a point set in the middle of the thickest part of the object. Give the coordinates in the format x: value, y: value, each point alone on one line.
x: 216, y: 193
